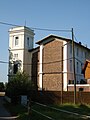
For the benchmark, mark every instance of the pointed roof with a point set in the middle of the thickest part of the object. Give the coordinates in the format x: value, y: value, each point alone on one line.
x: 50, y: 38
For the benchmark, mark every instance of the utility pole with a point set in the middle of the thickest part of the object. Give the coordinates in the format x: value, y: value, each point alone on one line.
x: 73, y: 58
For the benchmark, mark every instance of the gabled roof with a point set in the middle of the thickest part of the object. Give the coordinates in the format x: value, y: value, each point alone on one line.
x: 51, y: 37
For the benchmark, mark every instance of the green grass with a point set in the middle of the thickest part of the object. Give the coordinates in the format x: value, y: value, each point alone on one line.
x: 60, y: 115
x: 56, y: 115
x: 79, y: 108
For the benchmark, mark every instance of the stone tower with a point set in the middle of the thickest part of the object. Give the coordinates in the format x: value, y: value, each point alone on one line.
x: 21, y: 40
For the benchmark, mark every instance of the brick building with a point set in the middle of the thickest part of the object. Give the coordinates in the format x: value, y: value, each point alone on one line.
x: 55, y: 67
x: 50, y: 65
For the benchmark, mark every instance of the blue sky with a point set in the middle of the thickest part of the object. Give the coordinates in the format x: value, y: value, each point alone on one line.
x: 49, y: 14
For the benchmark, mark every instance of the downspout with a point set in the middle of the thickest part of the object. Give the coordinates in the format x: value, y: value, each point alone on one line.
x: 41, y: 68
x: 65, y: 66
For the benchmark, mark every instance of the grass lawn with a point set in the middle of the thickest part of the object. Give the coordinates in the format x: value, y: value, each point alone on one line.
x: 55, y: 115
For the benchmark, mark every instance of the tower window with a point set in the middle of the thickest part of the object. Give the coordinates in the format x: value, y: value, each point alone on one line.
x: 27, y: 41
x: 15, y: 68
x: 15, y: 55
x: 70, y: 65
x: 16, y: 41
x: 70, y: 49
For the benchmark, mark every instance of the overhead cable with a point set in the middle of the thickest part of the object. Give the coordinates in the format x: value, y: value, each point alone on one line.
x: 44, y: 29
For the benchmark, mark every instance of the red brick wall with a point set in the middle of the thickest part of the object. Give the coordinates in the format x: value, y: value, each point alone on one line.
x: 52, y: 82
x: 35, y: 67
x: 52, y: 65
x: 55, y: 97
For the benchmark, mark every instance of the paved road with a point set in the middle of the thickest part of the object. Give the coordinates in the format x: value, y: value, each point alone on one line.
x: 3, y: 111
x: 4, y: 114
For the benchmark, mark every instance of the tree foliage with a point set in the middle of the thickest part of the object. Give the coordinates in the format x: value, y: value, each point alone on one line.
x: 2, y: 87
x: 19, y: 85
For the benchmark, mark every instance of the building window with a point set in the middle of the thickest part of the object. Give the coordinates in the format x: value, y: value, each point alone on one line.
x: 16, y: 41
x: 15, y: 55
x: 81, y: 67
x: 82, y: 53
x: 28, y: 41
x: 70, y: 48
x: 71, y: 81
x: 85, y: 55
x: 70, y: 65
x: 77, y: 51
x: 77, y: 67
x: 15, y: 68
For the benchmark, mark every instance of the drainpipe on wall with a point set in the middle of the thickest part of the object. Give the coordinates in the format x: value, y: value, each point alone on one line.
x: 64, y: 66
x: 41, y: 68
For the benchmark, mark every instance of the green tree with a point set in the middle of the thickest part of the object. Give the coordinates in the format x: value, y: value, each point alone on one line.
x: 19, y: 85
x: 2, y: 87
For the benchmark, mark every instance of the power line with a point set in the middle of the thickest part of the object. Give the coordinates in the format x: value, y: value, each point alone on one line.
x: 4, y: 62
x: 9, y: 24
x: 43, y: 29
x: 51, y: 62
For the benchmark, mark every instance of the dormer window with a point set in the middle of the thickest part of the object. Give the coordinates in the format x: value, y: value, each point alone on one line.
x: 16, y: 41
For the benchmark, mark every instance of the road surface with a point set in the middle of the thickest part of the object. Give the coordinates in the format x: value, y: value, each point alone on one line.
x: 3, y: 111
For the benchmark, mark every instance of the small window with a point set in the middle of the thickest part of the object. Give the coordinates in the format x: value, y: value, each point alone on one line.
x: 70, y: 65
x: 16, y: 41
x: 81, y: 67
x: 81, y: 89
x: 71, y: 81
x: 85, y: 55
x: 77, y: 51
x: 15, y: 55
x: 77, y: 67
x: 82, y: 53
x: 70, y: 48
x: 27, y: 41
x: 15, y: 68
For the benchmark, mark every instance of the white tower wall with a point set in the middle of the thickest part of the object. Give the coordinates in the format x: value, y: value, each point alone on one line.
x: 21, y: 40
